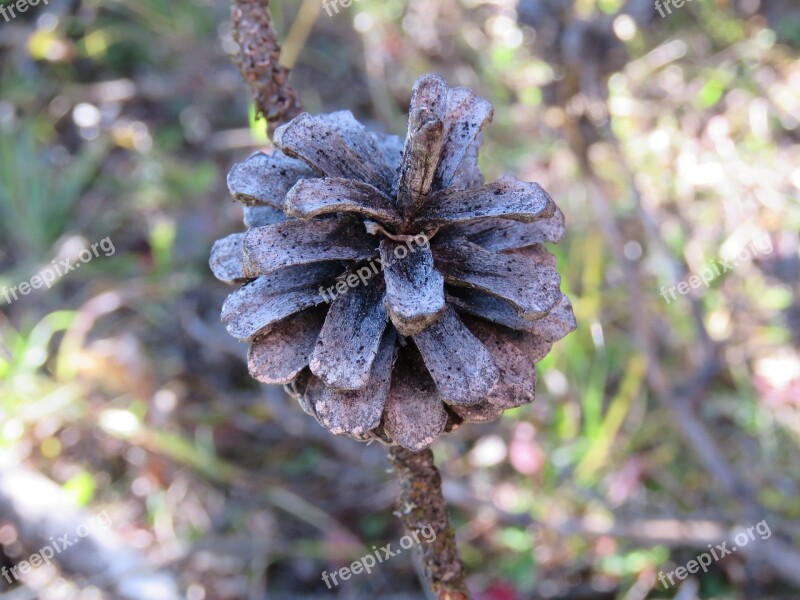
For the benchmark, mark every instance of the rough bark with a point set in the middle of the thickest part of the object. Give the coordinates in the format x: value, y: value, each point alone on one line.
x: 258, y: 59
x: 422, y: 504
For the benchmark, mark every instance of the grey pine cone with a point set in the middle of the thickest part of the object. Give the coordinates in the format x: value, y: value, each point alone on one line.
x: 392, y: 292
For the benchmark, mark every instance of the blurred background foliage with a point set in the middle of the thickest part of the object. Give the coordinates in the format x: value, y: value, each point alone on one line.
x: 668, y: 142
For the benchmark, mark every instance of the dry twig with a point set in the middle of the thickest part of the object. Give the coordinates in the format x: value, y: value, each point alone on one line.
x: 258, y: 59
x: 421, y: 504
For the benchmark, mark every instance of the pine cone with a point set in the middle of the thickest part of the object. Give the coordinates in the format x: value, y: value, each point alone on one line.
x: 394, y: 293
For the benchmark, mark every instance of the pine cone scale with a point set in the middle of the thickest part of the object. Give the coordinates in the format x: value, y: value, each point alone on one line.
x: 316, y: 197
x: 424, y: 143
x: 499, y: 235
x: 507, y: 198
x: 557, y: 324
x: 226, y: 259
x: 533, y: 288
x: 414, y: 415
x: 461, y: 367
x: 415, y: 296
x: 468, y: 173
x: 335, y: 146
x: 467, y: 115
x: 253, y: 308
x: 350, y: 337
x: 483, y: 412
x: 278, y: 356
x: 517, y: 381
x: 265, y: 179
x: 261, y: 216
x: 299, y: 242
x: 356, y: 413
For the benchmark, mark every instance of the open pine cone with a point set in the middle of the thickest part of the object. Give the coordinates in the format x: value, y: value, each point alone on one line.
x: 394, y: 293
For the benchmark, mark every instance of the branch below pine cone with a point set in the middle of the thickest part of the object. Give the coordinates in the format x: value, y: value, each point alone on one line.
x: 421, y: 504
x: 258, y: 59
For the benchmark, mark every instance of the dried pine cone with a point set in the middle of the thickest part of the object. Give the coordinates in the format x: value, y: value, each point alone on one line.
x: 394, y: 293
